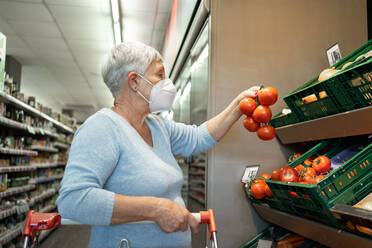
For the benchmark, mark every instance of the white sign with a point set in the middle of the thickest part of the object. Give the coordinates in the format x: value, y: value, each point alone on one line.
x: 250, y: 173
x: 334, y: 54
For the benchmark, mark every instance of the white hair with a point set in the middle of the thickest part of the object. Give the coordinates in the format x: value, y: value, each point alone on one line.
x: 124, y: 58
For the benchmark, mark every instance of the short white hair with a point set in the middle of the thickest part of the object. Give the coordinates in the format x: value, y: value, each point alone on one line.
x: 124, y: 58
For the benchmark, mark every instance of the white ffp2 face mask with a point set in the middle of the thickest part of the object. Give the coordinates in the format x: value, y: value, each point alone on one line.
x: 162, y: 95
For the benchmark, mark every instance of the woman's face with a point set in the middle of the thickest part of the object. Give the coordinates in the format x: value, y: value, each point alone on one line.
x: 154, y: 73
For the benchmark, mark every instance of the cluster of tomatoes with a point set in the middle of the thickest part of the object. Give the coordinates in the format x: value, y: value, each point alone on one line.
x: 315, y: 169
x: 261, y: 114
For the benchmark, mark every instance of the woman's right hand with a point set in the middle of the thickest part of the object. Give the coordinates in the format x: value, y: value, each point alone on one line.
x: 172, y: 217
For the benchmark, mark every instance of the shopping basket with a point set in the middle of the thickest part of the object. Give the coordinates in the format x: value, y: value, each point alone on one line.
x: 37, y: 222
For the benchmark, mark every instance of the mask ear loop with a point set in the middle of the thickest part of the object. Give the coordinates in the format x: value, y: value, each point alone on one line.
x: 139, y: 93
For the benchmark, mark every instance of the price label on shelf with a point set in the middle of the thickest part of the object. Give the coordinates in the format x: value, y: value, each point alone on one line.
x: 250, y: 173
x: 31, y: 129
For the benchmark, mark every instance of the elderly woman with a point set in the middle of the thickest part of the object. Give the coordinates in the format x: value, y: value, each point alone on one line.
x: 121, y: 167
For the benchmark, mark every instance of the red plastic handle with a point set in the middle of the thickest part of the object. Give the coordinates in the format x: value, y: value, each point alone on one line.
x: 207, y: 217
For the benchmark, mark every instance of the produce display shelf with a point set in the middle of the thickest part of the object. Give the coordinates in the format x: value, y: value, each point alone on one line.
x: 45, y: 179
x: 197, y: 190
x: 17, y: 168
x: 44, y: 149
x: 28, y: 108
x: 18, y: 152
x: 61, y: 145
x: 42, y: 196
x: 201, y: 201
x: 48, y: 208
x: 321, y: 233
x: 350, y: 123
x: 11, y: 234
x: 8, y: 212
x: 16, y: 190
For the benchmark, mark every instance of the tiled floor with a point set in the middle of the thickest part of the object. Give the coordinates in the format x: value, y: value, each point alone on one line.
x: 68, y: 237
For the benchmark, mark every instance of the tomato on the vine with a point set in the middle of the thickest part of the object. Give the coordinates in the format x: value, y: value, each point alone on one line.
x: 318, y: 179
x: 266, y: 132
x: 265, y: 175
x: 262, y: 114
x: 289, y: 175
x: 299, y: 168
x: 321, y: 164
x: 268, y: 191
x: 276, y: 174
x: 250, y: 124
x: 247, y: 106
x: 267, y: 96
x: 258, y: 190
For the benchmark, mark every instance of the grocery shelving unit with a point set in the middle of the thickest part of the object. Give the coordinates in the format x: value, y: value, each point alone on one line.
x: 350, y: 123
x: 45, y: 173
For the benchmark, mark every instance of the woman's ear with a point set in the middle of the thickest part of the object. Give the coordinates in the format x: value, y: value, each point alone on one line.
x: 133, y: 80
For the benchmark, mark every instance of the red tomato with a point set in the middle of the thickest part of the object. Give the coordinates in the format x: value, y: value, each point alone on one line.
x: 267, y: 96
x: 265, y: 175
x: 250, y: 124
x: 293, y: 194
x: 289, y: 175
x: 247, y: 106
x: 321, y: 164
x: 266, y: 132
x: 309, y: 161
x: 307, y: 178
x: 268, y: 191
x: 275, y: 176
x: 262, y: 114
x: 259, y: 180
x: 258, y: 190
x: 318, y: 179
x: 299, y: 168
x: 303, y: 182
x: 309, y: 171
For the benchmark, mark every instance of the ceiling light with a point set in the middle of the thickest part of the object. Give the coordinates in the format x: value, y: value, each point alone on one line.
x: 116, y: 21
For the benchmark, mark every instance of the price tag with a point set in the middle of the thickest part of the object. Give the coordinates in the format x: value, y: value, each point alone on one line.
x: 250, y: 173
x: 31, y: 129
x: 262, y: 243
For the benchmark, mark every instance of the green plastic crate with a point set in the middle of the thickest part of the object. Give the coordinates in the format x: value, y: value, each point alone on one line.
x: 284, y: 120
x: 340, y: 185
x: 336, y: 94
x: 254, y: 241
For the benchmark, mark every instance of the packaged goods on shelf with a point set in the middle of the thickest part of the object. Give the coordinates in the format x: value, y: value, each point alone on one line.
x: 2, y: 60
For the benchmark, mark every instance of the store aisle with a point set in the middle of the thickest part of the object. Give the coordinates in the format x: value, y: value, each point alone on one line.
x: 68, y: 236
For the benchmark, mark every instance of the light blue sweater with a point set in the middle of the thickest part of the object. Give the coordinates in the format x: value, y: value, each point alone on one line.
x: 108, y: 156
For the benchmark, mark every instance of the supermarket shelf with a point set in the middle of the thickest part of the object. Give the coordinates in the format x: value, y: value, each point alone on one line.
x: 197, y: 173
x: 45, y: 179
x: 8, y: 212
x: 46, y: 165
x: 323, y: 234
x: 198, y: 165
x: 197, y: 182
x: 61, y: 163
x: 197, y: 190
x: 17, y: 168
x: 201, y: 201
x: 355, y: 122
x: 48, y: 208
x: 61, y: 145
x: 18, y: 152
x: 22, y: 126
x: 11, y: 234
x: 44, y: 149
x: 16, y: 190
x: 34, y: 111
x: 42, y: 196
